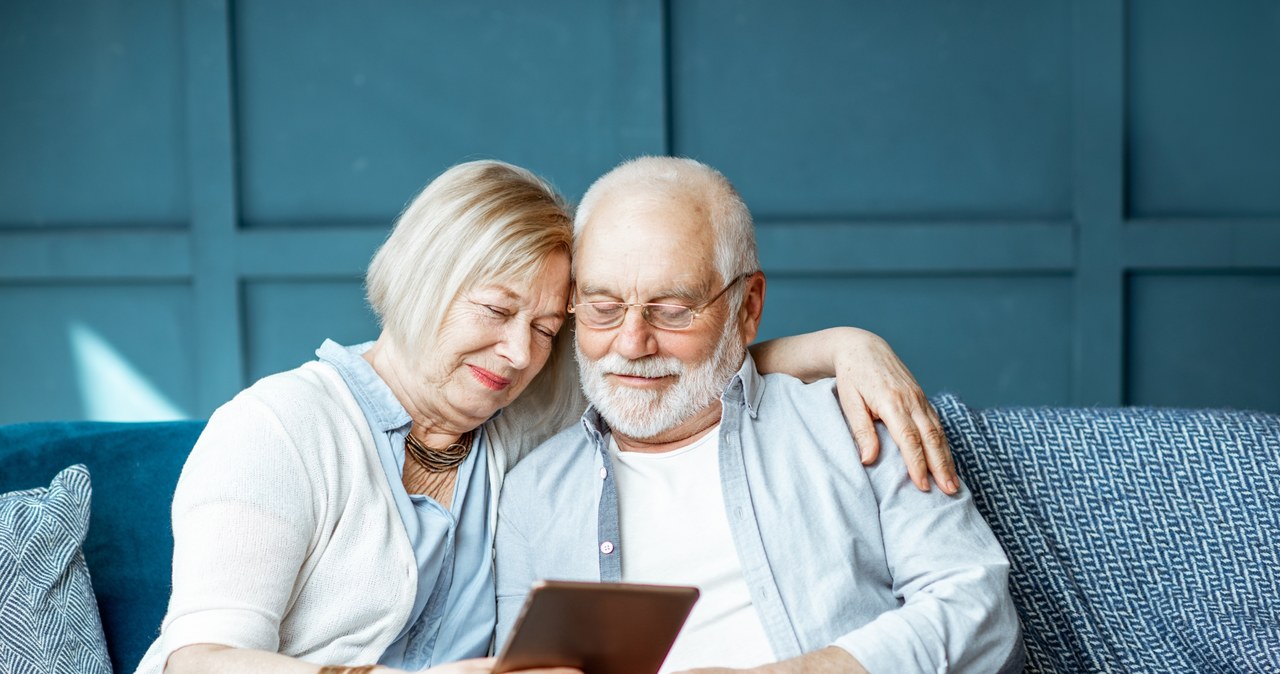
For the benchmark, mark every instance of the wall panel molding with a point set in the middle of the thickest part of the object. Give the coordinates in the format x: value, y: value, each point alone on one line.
x: 1098, y: 75
x: 1202, y: 244
x: 302, y: 253
x: 641, y: 89
x: 908, y: 247
x: 214, y: 201
x: 84, y: 255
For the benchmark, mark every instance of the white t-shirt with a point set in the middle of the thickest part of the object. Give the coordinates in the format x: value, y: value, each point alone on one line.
x: 675, y: 531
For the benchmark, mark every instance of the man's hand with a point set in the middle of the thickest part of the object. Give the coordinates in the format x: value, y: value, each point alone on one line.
x: 830, y: 660
x: 874, y: 383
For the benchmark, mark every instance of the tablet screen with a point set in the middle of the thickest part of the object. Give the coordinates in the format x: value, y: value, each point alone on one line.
x: 599, y: 628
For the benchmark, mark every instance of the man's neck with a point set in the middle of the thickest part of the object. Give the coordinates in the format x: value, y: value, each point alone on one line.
x: 671, y: 439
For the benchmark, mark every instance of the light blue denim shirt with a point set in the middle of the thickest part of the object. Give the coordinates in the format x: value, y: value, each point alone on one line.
x: 453, y: 612
x: 833, y: 552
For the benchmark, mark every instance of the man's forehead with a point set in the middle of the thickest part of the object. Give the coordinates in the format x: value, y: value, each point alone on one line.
x: 648, y: 224
x: 653, y: 241
x: 643, y: 203
x: 643, y: 272
x: 686, y: 287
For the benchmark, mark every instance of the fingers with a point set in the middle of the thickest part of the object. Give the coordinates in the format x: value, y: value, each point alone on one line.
x: 937, y: 454
x: 906, y: 434
x: 862, y: 426
x: 874, y: 383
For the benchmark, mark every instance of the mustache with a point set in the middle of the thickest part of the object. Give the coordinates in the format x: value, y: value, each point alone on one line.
x: 652, y: 366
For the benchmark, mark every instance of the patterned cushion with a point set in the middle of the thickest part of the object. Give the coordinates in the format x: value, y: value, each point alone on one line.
x: 129, y: 547
x: 1141, y: 540
x: 48, y: 616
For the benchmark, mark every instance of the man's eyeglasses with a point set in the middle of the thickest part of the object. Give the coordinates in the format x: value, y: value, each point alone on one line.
x: 605, y: 315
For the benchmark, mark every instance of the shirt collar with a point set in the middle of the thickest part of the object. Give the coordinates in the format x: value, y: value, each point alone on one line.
x: 749, y: 383
x: 745, y: 389
x: 381, y: 405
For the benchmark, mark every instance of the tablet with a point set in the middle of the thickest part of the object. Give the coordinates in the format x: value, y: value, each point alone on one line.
x: 599, y: 628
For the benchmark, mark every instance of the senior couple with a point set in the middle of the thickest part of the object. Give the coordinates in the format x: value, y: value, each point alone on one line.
x: 352, y: 515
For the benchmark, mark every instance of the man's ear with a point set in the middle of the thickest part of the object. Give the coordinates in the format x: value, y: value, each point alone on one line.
x: 752, y: 307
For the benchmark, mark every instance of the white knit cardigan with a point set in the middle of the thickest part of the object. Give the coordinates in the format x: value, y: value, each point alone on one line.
x: 286, y: 537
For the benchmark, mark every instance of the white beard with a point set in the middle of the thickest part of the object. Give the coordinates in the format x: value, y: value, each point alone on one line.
x: 643, y: 414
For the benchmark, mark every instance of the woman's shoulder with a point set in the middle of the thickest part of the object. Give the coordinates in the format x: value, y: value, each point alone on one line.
x: 309, y: 380
x: 310, y: 401
x: 310, y: 389
x: 291, y: 423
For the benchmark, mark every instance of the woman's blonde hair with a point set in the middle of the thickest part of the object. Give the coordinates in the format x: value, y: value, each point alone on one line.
x: 478, y: 222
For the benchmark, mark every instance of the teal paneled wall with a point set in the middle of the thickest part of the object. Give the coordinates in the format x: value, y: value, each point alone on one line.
x: 1059, y: 202
x: 1204, y: 97
x: 91, y: 120
x: 856, y: 109
x: 343, y: 114
x: 290, y: 318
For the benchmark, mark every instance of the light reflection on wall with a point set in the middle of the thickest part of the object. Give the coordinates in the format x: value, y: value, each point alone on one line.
x: 111, y: 389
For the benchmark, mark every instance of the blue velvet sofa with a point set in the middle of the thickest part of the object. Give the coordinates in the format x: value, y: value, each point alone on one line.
x: 1141, y: 540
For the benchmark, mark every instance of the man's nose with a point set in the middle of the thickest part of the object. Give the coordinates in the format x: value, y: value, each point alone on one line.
x: 636, y: 337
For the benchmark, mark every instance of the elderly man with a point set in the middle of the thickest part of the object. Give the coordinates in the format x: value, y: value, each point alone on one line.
x: 691, y: 468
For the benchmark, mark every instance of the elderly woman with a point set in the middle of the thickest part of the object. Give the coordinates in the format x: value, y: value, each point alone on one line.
x: 342, y: 513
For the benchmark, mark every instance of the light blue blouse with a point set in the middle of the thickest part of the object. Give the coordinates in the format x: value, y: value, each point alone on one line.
x: 455, y: 608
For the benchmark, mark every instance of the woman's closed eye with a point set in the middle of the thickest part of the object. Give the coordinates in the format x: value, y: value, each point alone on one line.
x: 542, y: 331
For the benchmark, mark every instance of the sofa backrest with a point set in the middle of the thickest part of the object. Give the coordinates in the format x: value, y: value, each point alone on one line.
x: 129, y: 548
x: 1140, y: 540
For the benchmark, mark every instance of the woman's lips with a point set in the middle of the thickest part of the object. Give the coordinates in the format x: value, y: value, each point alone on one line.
x: 488, y: 379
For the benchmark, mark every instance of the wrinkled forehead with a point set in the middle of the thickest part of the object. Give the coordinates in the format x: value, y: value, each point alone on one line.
x: 547, y: 274
x: 646, y: 243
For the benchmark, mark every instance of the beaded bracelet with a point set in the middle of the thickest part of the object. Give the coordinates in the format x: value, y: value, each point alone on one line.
x: 340, y: 669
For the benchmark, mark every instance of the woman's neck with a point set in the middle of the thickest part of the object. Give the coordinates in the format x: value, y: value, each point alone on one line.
x: 430, y: 427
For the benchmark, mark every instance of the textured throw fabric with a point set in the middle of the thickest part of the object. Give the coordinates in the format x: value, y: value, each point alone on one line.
x: 1141, y: 540
x: 48, y: 616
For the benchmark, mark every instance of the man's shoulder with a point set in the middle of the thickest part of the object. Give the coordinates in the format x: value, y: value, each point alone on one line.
x: 557, y: 453
x: 779, y: 390
x: 815, y: 405
x: 789, y: 382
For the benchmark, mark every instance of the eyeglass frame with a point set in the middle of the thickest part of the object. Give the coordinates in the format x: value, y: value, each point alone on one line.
x: 694, y: 311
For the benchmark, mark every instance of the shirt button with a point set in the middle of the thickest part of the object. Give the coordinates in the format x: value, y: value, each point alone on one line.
x: 739, y: 513
x: 604, y: 472
x: 606, y: 547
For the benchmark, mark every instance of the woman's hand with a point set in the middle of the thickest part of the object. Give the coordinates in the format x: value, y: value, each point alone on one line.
x: 873, y: 384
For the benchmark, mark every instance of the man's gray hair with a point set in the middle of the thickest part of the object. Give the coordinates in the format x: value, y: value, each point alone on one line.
x: 735, y: 239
